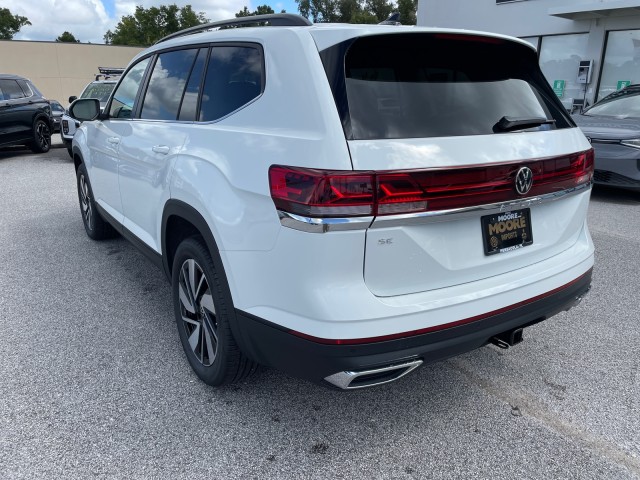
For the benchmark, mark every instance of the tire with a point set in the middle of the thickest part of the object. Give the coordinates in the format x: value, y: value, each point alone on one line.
x: 67, y: 145
x: 95, y: 226
x: 204, y: 311
x: 41, y: 142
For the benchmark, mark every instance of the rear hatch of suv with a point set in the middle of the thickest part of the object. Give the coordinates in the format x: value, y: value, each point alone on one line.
x: 476, y: 168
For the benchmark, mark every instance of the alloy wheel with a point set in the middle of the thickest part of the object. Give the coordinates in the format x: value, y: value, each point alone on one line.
x: 43, y: 136
x: 198, y: 312
x: 85, y: 200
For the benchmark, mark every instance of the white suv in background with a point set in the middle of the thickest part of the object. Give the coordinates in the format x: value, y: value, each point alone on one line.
x: 101, y: 89
x: 341, y: 202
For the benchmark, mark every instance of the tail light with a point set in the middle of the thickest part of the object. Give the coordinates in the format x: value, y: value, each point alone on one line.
x: 325, y: 193
x: 321, y: 193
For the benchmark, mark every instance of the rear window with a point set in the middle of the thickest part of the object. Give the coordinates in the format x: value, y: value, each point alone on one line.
x: 101, y: 91
x: 434, y: 85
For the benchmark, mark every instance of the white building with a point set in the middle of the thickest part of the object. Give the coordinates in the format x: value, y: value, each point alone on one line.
x: 565, y: 32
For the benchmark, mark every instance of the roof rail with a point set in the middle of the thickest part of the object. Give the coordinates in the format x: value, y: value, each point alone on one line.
x: 107, y: 72
x: 275, y: 19
x: 111, y: 70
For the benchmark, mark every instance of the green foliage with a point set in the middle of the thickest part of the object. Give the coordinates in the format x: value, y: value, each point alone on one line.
x: 11, y: 24
x: 357, y: 11
x: 261, y: 10
x: 67, y: 37
x: 148, y: 25
x: 408, y: 9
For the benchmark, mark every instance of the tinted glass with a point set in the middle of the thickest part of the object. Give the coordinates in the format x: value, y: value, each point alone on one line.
x: 28, y: 92
x: 125, y: 95
x: 190, y: 100
x: 101, y: 91
x: 234, y: 78
x: 11, y: 90
x: 431, y: 85
x: 167, y: 84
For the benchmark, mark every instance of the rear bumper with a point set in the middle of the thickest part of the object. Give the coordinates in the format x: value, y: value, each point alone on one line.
x: 315, y: 359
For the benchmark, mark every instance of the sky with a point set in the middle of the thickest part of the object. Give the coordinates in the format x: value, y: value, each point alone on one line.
x: 88, y: 20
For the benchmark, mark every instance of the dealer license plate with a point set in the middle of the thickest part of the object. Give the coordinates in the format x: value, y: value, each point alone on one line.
x: 506, y: 231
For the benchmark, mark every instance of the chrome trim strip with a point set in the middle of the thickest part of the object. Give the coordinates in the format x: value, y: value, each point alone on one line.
x: 322, y: 225
x: 343, y: 380
x: 458, y: 213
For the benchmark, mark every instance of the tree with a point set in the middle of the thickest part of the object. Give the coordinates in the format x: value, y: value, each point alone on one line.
x: 67, y: 37
x: 261, y: 10
x: 148, y: 25
x: 351, y: 11
x: 408, y: 9
x: 11, y: 24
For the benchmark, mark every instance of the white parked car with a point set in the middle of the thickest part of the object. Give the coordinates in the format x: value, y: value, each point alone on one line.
x: 101, y: 89
x: 341, y: 202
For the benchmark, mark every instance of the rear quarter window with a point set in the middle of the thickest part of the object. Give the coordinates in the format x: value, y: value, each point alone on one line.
x: 234, y: 77
x: 11, y: 90
x: 434, y: 85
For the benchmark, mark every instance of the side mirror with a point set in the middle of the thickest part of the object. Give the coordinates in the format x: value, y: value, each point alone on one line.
x: 72, y: 98
x: 85, y: 109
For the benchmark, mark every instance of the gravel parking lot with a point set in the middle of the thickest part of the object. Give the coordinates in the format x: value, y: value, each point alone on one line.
x: 94, y: 383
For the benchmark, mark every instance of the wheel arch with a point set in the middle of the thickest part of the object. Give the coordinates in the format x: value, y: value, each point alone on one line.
x: 43, y: 116
x: 77, y: 157
x: 180, y: 221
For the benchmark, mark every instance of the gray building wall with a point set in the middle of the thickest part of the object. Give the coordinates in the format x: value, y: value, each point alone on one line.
x: 530, y: 18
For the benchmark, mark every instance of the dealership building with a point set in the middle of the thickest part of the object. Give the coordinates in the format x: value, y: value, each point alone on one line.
x: 586, y: 48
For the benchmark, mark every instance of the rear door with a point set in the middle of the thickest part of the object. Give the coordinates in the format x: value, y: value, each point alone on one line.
x: 16, y: 115
x: 149, y: 147
x: 451, y: 123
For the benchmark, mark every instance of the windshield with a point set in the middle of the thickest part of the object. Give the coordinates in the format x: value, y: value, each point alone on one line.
x: 56, y: 107
x: 101, y: 91
x: 620, y: 105
x: 433, y: 85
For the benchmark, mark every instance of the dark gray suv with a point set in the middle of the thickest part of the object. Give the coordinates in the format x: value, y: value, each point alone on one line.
x: 25, y: 115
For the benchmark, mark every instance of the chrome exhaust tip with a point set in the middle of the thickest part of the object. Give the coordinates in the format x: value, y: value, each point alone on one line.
x: 370, y: 378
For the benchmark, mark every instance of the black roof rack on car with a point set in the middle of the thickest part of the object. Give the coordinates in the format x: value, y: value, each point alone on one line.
x: 274, y: 19
x: 108, y: 72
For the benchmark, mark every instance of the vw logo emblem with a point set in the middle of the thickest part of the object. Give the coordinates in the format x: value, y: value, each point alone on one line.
x: 524, y: 180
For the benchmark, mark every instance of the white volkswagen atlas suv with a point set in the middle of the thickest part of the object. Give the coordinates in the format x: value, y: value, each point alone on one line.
x: 341, y: 202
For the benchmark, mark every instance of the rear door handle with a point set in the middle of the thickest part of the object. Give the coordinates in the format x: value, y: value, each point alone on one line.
x: 163, y: 149
x: 114, y: 140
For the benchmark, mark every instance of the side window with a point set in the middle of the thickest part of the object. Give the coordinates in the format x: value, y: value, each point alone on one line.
x: 234, y: 78
x: 125, y: 95
x: 25, y: 88
x: 11, y: 89
x: 167, y: 84
x: 190, y: 100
